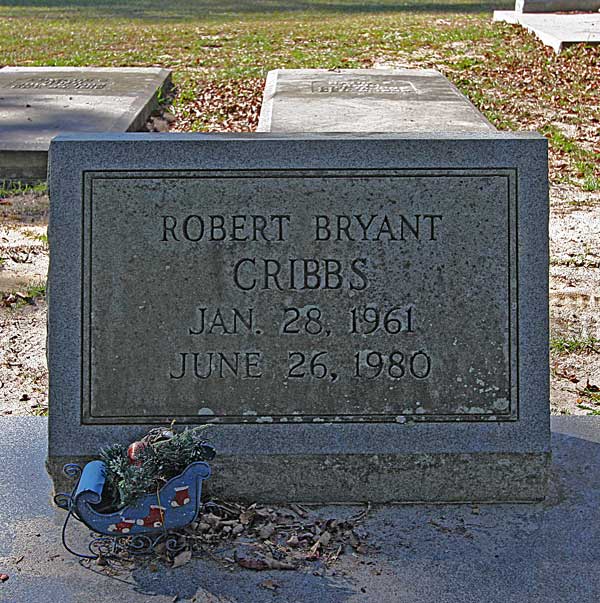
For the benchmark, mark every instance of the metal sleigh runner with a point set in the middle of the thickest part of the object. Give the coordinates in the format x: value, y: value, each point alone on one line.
x: 139, y: 527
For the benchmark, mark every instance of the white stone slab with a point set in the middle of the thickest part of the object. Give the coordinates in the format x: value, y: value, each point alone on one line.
x: 556, y: 30
x: 506, y: 16
x: 366, y: 100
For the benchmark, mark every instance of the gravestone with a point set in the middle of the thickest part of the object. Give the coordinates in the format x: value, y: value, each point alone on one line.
x: 366, y: 100
x: 37, y: 103
x: 553, y: 6
x: 360, y: 317
x: 556, y: 30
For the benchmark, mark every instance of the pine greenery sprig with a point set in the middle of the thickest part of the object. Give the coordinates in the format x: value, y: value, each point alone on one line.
x: 156, y: 463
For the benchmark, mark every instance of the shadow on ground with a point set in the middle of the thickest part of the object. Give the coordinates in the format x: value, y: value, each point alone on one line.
x: 507, y: 553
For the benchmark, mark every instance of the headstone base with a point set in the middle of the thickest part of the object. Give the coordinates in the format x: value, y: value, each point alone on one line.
x: 378, y: 478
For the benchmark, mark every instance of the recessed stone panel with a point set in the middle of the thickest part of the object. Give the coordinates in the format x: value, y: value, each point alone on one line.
x: 363, y: 296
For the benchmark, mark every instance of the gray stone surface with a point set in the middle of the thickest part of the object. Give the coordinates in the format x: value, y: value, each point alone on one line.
x: 300, y: 270
x: 366, y: 100
x: 502, y: 553
x: 37, y: 103
x: 125, y: 298
x: 553, y: 6
x: 556, y: 31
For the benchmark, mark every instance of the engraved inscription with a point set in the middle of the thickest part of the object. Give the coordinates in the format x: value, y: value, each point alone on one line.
x: 65, y: 83
x: 220, y: 365
x: 303, y: 297
x: 359, y: 86
x: 220, y: 321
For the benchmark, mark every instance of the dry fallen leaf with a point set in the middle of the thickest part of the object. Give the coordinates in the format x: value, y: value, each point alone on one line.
x: 591, y: 387
x: 269, y: 584
x: 221, y: 106
x: 247, y: 516
x: 266, y: 531
x: 313, y: 552
x: 298, y: 510
x: 259, y: 562
x: 182, y: 558
x: 211, y: 520
x: 324, y: 539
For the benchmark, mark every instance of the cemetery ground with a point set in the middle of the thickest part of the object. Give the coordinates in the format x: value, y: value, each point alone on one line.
x: 220, y: 53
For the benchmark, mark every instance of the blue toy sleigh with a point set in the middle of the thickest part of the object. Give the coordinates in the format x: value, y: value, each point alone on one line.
x: 141, y: 525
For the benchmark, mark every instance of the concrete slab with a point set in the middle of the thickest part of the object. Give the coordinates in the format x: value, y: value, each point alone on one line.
x: 366, y: 100
x: 509, y: 553
x: 37, y: 103
x: 507, y: 16
x: 556, y: 31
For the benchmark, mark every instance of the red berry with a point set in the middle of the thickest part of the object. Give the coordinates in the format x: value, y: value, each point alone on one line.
x: 134, y: 451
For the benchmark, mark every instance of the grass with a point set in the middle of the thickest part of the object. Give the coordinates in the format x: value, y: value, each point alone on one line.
x: 572, y: 345
x: 514, y: 80
x: 593, y: 396
x: 36, y: 236
x: 12, y: 188
x: 584, y: 162
x: 19, y: 299
x: 227, y: 10
x: 39, y: 411
x: 585, y: 259
x: 36, y: 290
x: 591, y: 183
x: 590, y: 394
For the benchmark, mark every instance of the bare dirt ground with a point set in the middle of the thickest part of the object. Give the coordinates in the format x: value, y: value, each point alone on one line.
x: 23, y: 270
x: 574, y: 302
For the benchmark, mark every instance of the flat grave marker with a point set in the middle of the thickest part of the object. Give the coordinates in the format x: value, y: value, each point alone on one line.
x: 37, y: 103
x: 556, y: 30
x: 366, y: 100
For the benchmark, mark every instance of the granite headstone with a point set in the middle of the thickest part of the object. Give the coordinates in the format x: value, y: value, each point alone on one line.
x: 361, y: 317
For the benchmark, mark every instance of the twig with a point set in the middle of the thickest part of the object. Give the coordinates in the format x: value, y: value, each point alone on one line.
x: 360, y: 516
x: 299, y: 510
